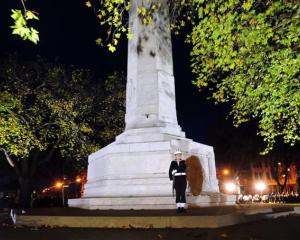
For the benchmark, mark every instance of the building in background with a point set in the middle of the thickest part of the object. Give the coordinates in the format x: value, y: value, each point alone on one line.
x: 255, y: 175
x: 262, y: 171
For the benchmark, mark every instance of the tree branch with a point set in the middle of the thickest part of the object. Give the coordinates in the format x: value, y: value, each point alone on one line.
x: 11, y: 161
x: 8, y: 158
x: 25, y: 9
x: 50, y: 154
x: 48, y: 125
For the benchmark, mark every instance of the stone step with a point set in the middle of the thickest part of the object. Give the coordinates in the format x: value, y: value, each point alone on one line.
x: 150, y: 202
x: 203, y: 218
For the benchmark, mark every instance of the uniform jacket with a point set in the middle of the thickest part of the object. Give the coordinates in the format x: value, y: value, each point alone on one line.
x: 176, y: 168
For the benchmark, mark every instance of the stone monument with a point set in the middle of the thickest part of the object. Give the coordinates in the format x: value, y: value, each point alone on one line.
x: 132, y: 172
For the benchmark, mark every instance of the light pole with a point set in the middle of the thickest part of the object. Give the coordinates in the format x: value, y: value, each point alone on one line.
x: 61, y: 185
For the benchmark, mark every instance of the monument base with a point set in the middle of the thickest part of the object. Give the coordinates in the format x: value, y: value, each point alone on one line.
x: 139, y: 203
x: 132, y: 172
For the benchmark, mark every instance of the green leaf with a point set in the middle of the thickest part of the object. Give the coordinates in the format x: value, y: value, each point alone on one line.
x: 111, y: 48
x: 31, y: 15
x: 99, y: 41
x: 88, y: 4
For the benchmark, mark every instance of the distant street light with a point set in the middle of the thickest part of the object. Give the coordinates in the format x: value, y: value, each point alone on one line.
x: 226, y: 171
x: 58, y: 184
x: 62, y: 186
x: 78, y: 180
x: 230, y: 187
x: 260, y: 186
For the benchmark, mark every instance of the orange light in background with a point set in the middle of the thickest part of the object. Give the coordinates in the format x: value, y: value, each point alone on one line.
x: 78, y: 180
x: 225, y: 171
x: 58, y: 184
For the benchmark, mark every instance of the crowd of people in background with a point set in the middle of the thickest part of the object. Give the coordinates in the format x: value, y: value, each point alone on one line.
x: 269, y: 198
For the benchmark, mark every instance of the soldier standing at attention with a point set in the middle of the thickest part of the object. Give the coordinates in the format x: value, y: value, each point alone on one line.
x: 177, y: 174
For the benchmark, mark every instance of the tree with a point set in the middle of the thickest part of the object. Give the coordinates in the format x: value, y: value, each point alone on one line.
x: 247, y: 53
x: 112, y: 16
x: 229, y: 149
x: 283, y: 158
x: 47, y: 108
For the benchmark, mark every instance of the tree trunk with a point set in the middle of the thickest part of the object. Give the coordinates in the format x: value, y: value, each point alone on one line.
x: 25, y: 191
x: 25, y: 177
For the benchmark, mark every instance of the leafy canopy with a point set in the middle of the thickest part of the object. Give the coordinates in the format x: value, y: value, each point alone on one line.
x: 45, y: 106
x: 247, y: 53
x: 112, y: 16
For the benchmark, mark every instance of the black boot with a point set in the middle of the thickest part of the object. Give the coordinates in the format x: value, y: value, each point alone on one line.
x: 178, y: 210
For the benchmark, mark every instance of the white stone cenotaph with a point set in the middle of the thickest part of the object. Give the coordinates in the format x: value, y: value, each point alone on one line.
x: 132, y: 172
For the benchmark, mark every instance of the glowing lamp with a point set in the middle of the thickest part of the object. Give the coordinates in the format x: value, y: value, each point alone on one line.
x: 78, y: 180
x: 260, y: 186
x: 58, y: 184
x: 230, y: 187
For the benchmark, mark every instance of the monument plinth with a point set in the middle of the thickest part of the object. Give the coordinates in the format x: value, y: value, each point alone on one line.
x: 132, y: 172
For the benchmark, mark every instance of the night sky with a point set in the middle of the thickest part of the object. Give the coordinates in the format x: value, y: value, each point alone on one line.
x: 68, y: 31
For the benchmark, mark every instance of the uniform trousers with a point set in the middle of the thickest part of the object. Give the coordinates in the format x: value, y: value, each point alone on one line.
x: 180, y: 188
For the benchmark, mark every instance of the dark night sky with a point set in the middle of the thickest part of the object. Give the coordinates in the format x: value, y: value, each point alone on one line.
x: 68, y: 31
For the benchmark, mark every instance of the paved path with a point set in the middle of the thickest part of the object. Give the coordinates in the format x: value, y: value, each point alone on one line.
x: 205, y: 211
x: 283, y: 228
x: 59, y: 211
x: 205, y: 217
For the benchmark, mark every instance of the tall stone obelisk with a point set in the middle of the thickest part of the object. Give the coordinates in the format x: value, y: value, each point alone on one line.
x: 132, y: 172
x: 150, y: 81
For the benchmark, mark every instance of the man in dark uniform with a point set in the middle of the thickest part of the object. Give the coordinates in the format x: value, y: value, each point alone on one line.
x: 177, y: 174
